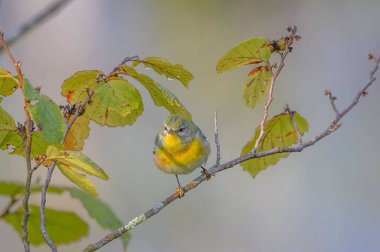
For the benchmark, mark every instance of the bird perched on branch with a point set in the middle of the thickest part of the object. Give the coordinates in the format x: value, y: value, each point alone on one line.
x: 180, y: 148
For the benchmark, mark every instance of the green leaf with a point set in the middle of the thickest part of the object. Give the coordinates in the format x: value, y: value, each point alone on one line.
x: 251, y: 51
x: 9, y: 138
x: 39, y: 145
x: 62, y: 226
x: 75, y: 159
x: 279, y: 132
x: 77, y: 134
x: 77, y: 86
x: 99, y: 211
x: 8, y: 134
x: 45, y: 113
x: 160, y: 95
x: 78, y: 179
x: 115, y: 103
x: 11, y: 188
x: 256, y: 86
x: 8, y: 83
x: 6, y: 121
x: 171, y: 71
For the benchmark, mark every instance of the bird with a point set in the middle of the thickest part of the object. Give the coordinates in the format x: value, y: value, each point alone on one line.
x: 180, y: 147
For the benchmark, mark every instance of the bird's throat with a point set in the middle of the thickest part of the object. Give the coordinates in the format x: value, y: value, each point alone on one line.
x: 172, y: 143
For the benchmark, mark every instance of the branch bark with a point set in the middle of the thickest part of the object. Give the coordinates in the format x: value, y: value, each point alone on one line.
x: 50, y: 171
x: 334, y: 125
x: 35, y: 21
x: 26, y: 134
x: 272, y: 82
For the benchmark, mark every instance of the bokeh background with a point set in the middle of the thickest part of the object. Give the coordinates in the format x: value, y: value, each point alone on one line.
x: 323, y: 199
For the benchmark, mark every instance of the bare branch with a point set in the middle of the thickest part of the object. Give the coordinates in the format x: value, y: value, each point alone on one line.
x: 218, y: 168
x: 295, y: 126
x: 45, y: 14
x: 216, y: 134
x: 26, y: 134
x: 272, y: 82
x: 332, y: 101
x: 11, y: 203
x: 50, y: 171
x: 363, y: 91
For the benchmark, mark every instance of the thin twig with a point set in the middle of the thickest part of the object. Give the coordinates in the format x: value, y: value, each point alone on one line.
x: 36, y: 21
x: 27, y: 142
x: 332, y: 101
x: 7, y: 209
x: 272, y: 82
x: 50, y: 171
x: 11, y: 203
x: 216, y: 134
x: 214, y: 169
x: 295, y: 126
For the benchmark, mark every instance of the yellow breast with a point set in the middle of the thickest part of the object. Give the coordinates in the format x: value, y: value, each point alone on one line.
x: 172, y: 143
x: 177, y: 159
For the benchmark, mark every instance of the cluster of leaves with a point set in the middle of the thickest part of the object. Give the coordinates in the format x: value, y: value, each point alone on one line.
x: 63, y: 226
x: 59, y: 133
x: 279, y: 130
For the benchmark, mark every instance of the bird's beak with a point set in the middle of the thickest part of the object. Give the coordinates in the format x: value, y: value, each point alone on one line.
x: 170, y: 131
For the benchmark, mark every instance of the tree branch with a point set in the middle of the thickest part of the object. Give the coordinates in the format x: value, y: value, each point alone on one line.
x: 216, y: 136
x: 295, y: 126
x: 11, y: 203
x: 26, y: 134
x: 272, y: 82
x: 51, y: 170
x: 334, y: 125
x: 332, y: 101
x: 36, y: 21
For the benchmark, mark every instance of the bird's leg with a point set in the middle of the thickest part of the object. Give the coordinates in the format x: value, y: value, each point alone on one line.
x: 179, y: 190
x: 206, y: 173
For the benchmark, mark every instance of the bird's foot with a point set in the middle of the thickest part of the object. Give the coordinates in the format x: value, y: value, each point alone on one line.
x: 180, y: 192
x: 206, y: 173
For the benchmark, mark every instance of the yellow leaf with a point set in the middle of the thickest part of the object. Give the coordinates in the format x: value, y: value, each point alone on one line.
x: 256, y: 86
x: 115, y: 103
x: 279, y: 132
x: 171, y: 71
x: 6, y: 121
x: 8, y: 83
x: 77, y: 86
x: 78, y: 132
x: 80, y: 180
x: 160, y: 95
x: 77, y: 160
x: 251, y: 51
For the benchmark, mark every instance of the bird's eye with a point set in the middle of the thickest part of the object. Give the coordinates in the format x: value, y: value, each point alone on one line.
x: 181, y: 130
x: 166, y: 129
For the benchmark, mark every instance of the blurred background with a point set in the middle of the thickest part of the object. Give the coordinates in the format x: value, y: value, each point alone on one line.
x: 323, y: 199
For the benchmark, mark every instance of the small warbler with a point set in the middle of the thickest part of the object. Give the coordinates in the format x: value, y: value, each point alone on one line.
x: 180, y: 148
